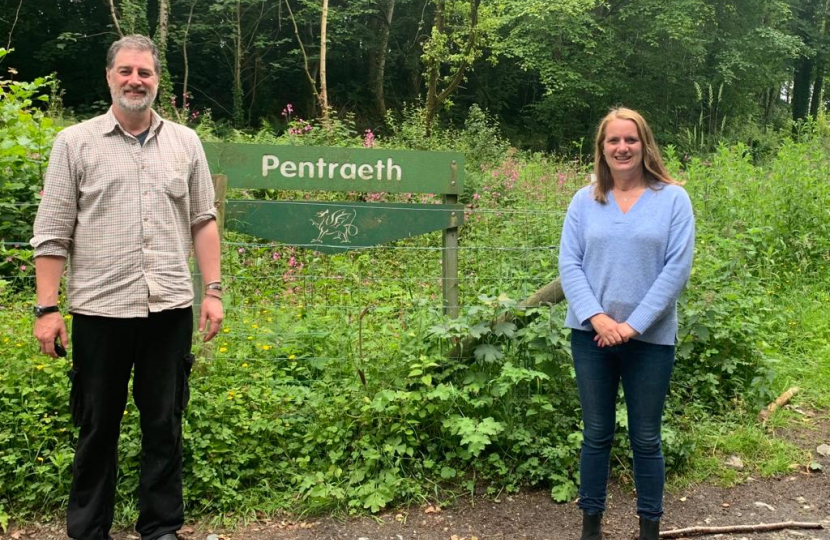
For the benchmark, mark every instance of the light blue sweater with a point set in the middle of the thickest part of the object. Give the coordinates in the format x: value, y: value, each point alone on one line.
x: 630, y: 266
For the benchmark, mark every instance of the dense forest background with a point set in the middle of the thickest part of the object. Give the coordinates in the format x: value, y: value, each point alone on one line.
x: 700, y: 70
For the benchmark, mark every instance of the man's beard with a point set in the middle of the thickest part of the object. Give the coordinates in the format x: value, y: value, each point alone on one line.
x: 131, y: 104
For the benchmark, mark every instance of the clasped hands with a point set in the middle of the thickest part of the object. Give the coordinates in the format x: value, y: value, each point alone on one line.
x: 610, y: 332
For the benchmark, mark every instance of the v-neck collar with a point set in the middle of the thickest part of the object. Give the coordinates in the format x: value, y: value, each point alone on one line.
x: 637, y: 204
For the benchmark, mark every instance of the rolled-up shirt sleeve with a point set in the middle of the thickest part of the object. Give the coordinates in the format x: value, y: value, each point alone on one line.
x: 202, y: 195
x: 56, y: 216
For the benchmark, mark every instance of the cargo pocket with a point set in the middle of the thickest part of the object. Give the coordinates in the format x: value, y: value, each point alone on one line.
x: 184, y: 382
x: 76, y: 399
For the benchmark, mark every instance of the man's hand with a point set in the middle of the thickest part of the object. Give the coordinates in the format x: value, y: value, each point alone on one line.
x: 47, y: 328
x: 607, y: 330
x: 211, y: 313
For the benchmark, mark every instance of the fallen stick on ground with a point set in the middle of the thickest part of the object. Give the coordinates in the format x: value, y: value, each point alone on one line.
x: 763, y: 527
x: 779, y: 402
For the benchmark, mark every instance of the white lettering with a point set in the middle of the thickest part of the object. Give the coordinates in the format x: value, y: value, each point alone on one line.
x: 365, y: 171
x: 382, y: 171
x: 391, y: 169
x: 347, y: 171
x: 306, y: 165
x: 269, y: 163
x: 288, y: 169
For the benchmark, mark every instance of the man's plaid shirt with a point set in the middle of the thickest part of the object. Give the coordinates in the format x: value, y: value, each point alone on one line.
x: 123, y: 213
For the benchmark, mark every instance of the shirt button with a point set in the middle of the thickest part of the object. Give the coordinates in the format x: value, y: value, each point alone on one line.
x: 146, y: 219
x: 146, y: 192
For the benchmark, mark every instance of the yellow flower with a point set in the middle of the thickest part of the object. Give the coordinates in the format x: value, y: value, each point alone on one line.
x: 223, y: 349
x: 250, y: 338
x: 254, y: 326
x: 125, y: 413
x: 40, y: 367
x: 226, y: 330
x: 67, y: 317
x: 19, y: 344
x: 40, y: 459
x: 245, y: 365
x: 266, y: 347
x: 291, y: 357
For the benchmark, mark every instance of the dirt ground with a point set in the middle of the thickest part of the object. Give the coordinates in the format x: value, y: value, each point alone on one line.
x: 801, y: 496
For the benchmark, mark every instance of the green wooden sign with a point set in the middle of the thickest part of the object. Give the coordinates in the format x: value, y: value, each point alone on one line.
x: 311, y: 168
x: 335, y: 227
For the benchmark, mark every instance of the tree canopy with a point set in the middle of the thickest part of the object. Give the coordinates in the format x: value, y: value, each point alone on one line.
x: 546, y: 70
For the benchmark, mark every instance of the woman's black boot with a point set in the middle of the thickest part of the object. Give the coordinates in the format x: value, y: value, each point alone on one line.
x: 649, y: 530
x: 591, y: 526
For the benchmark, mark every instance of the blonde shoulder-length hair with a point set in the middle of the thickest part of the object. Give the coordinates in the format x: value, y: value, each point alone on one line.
x: 654, y: 170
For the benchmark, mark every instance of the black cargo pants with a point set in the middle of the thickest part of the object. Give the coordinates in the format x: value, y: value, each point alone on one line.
x: 105, y: 351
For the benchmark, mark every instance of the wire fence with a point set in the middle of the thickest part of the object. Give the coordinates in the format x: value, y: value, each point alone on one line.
x: 293, y: 301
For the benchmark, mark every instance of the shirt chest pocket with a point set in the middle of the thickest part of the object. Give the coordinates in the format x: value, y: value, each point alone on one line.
x: 176, y: 179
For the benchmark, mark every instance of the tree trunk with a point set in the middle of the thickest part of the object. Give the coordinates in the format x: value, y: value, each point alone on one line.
x: 434, y: 99
x: 802, y: 83
x: 185, y: 97
x: 377, y: 59
x: 312, y: 78
x: 818, y: 90
x: 324, y: 98
x: 165, y: 83
x: 115, y: 18
x: 238, y: 112
x: 432, y: 84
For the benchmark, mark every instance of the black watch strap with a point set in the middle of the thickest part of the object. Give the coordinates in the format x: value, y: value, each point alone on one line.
x: 40, y: 311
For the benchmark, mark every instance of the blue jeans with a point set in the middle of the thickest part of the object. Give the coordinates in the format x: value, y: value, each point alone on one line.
x: 645, y: 370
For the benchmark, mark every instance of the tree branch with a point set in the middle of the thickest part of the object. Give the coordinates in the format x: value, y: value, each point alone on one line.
x: 693, y: 531
x: 115, y: 18
x: 302, y: 50
x: 14, y: 23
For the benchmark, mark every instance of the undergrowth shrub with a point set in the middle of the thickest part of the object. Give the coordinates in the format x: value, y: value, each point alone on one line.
x: 26, y: 133
x: 338, y: 383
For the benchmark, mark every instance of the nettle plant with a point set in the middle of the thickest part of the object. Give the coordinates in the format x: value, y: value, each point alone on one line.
x: 27, y: 133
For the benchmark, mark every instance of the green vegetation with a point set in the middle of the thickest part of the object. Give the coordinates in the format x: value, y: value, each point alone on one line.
x: 700, y: 70
x: 332, y: 386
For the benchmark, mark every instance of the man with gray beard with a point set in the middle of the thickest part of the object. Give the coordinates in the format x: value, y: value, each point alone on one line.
x: 127, y: 195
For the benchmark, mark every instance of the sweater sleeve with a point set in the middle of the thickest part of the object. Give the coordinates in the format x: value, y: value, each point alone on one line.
x: 581, y: 298
x: 663, y: 293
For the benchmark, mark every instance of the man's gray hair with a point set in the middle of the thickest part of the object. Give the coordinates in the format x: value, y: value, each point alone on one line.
x: 135, y: 42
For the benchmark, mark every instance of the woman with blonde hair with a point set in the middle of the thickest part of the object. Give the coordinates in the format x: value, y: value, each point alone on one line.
x: 625, y: 257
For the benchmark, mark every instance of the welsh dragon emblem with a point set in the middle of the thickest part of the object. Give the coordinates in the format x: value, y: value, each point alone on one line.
x: 337, y: 224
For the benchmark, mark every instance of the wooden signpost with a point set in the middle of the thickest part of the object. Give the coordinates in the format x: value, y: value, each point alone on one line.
x: 331, y: 227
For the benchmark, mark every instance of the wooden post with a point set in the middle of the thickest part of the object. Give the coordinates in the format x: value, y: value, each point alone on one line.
x: 449, y: 255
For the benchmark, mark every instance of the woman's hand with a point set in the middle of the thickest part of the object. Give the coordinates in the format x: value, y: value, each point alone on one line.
x: 626, y: 331
x: 607, y: 329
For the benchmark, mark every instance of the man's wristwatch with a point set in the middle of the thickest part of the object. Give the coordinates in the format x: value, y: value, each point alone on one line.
x: 215, y: 286
x: 40, y: 311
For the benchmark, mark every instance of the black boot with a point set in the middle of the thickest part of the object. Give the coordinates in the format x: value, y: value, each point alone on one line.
x: 649, y: 530
x: 591, y: 526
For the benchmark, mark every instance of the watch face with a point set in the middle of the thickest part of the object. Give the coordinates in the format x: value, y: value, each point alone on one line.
x: 41, y: 310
